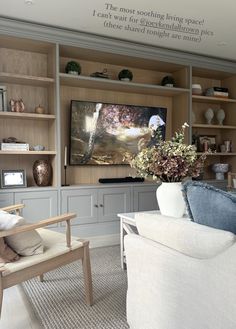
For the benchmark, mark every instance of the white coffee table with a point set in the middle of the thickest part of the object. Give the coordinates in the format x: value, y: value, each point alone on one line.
x: 127, y: 223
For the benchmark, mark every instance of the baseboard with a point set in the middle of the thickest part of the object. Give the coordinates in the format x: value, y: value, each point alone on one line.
x: 104, y: 240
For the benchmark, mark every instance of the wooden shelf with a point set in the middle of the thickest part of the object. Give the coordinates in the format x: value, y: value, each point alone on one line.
x: 219, y: 153
x: 207, y: 99
x: 116, y: 85
x: 200, y: 125
x: 28, y: 152
x: 27, y: 116
x: 25, y: 79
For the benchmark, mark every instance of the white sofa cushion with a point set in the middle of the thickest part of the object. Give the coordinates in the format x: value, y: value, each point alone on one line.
x: 187, y: 237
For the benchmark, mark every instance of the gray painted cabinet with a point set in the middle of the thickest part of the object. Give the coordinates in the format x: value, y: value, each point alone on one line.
x: 96, y: 205
x: 6, y: 199
x: 38, y: 204
x: 144, y: 198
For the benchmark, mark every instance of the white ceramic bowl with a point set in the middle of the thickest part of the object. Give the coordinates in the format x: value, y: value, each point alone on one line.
x: 196, y: 89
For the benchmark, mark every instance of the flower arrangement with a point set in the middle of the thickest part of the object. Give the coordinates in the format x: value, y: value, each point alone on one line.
x: 168, y: 161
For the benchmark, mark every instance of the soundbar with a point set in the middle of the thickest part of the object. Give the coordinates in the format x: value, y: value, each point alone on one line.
x: 121, y: 180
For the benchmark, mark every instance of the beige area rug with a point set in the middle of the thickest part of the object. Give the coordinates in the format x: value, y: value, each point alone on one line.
x: 59, y: 301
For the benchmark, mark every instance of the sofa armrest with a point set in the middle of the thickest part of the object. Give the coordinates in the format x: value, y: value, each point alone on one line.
x: 189, y: 238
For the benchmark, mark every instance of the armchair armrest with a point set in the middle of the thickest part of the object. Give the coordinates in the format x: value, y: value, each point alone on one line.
x: 43, y: 223
x: 15, y: 207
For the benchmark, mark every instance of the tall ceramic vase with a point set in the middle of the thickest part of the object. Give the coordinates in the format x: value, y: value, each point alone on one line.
x: 42, y: 172
x: 170, y: 199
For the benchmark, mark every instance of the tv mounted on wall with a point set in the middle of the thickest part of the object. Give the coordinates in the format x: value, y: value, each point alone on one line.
x: 100, y: 133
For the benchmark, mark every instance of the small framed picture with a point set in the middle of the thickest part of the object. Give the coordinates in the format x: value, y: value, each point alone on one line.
x: 13, y: 178
x: 207, y: 142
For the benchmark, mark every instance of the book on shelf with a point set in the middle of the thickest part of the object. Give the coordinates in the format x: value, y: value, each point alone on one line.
x: 14, y: 147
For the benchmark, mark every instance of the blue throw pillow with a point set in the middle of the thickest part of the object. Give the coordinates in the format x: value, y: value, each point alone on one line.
x: 210, y: 206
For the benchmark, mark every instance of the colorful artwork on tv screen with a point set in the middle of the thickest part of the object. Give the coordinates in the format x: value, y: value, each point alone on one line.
x: 101, y: 133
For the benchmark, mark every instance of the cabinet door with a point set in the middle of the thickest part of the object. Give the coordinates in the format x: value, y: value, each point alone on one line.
x: 6, y: 199
x: 145, y: 198
x: 38, y: 205
x: 83, y: 202
x: 112, y: 201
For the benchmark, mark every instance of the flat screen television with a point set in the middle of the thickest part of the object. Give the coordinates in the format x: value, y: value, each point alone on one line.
x: 101, y: 133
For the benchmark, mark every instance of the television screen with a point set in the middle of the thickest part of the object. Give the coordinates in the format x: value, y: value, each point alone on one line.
x: 101, y: 133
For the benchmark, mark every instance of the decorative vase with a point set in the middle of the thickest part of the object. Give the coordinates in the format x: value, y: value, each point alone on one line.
x: 220, y: 115
x: 209, y: 114
x: 42, y: 172
x: 170, y: 199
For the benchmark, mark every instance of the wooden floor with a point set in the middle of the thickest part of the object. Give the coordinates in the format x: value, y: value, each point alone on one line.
x: 16, y: 311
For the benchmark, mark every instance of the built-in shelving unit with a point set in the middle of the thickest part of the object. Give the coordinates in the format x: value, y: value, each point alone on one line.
x: 27, y: 69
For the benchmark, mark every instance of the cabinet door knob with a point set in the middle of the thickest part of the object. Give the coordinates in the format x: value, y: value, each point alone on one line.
x: 96, y: 206
x: 101, y: 205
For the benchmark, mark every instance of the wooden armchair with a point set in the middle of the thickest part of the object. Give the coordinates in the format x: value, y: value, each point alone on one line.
x: 60, y: 249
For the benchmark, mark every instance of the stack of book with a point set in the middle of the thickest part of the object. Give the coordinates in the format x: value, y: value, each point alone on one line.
x: 217, y: 92
x: 14, y: 147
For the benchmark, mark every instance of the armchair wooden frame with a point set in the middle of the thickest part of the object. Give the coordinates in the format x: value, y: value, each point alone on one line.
x: 80, y: 252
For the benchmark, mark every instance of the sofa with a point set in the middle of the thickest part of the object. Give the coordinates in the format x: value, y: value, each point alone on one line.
x: 181, y: 275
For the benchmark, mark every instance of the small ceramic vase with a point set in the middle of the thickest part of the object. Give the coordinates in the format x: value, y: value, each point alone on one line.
x: 220, y: 115
x: 209, y: 114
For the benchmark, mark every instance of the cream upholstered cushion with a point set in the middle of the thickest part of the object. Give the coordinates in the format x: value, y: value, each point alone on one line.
x: 26, y: 243
x: 187, y: 237
x: 9, y: 221
x: 54, y: 245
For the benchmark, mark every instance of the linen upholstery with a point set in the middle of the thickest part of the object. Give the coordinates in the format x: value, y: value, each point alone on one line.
x: 24, y: 244
x: 168, y: 289
x: 210, y: 206
x: 183, y: 235
x: 6, y: 253
x: 54, y: 245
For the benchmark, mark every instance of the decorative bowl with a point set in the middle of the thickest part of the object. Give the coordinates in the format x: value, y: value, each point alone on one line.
x: 196, y: 89
x: 220, y: 169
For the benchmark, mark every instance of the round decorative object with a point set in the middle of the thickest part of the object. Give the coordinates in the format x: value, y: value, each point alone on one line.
x: 39, y: 109
x: 209, y: 114
x: 42, y: 172
x: 196, y: 89
x: 168, y: 81
x: 220, y: 115
x: 220, y: 169
x: 73, y: 67
x: 125, y: 75
x: 170, y: 199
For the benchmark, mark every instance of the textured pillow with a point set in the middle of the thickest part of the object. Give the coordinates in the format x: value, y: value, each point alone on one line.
x: 210, y: 206
x: 6, y: 253
x: 26, y: 243
x: 9, y: 221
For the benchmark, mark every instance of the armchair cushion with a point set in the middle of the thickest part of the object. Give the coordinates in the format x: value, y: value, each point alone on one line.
x: 6, y: 253
x: 9, y: 221
x: 54, y: 245
x: 187, y: 237
x: 26, y: 243
x: 210, y: 206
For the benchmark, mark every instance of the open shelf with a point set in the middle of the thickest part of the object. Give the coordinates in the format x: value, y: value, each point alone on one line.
x: 28, y: 152
x: 29, y: 116
x: 122, y: 86
x: 219, y: 153
x: 207, y: 99
x: 200, y: 125
x: 25, y: 79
